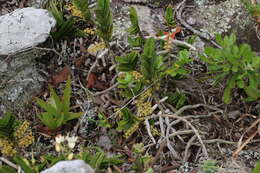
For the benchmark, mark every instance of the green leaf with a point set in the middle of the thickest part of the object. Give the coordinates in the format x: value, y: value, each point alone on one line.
x: 151, y: 64
x: 134, y: 29
x: 257, y: 168
x: 73, y: 115
x: 104, y: 20
x: 169, y: 17
x: 46, y: 106
x: 26, y: 168
x: 227, y: 91
x: 7, y: 124
x: 66, y: 97
x: 128, y: 119
x: 128, y: 62
x: 6, y: 169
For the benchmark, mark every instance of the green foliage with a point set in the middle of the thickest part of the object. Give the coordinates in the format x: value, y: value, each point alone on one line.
x: 169, y: 17
x: 57, y: 110
x: 178, y: 69
x: 141, y: 163
x: 209, y: 166
x: 103, y: 122
x: 136, y: 41
x: 257, y: 167
x: 64, y: 27
x: 151, y: 64
x: 128, y: 62
x: 134, y: 29
x: 178, y: 99
x: 238, y: 65
x: 252, y: 9
x: 7, y: 169
x: 128, y: 120
x: 7, y: 125
x: 82, y: 5
x: 26, y: 168
x: 130, y: 86
x: 97, y: 159
x: 104, y: 20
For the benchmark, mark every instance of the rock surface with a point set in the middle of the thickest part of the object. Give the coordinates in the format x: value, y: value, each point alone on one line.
x: 24, y: 28
x: 73, y: 166
x: 19, y: 80
x: 224, y: 17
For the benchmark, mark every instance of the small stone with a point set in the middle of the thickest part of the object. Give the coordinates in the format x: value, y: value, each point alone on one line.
x: 72, y: 166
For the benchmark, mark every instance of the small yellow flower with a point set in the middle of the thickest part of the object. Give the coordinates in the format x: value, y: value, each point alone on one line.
x: 93, y: 49
x: 89, y: 31
x: 75, y: 11
x: 70, y: 156
x: 58, y: 147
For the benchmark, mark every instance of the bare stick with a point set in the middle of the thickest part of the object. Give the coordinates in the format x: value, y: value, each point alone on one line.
x: 8, y: 162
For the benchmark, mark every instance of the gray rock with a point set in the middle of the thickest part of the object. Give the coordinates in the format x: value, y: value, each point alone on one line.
x: 19, y: 80
x: 73, y: 166
x: 24, y: 28
x: 225, y: 17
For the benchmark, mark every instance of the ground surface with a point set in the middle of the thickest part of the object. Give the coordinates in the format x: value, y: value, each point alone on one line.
x: 210, y: 129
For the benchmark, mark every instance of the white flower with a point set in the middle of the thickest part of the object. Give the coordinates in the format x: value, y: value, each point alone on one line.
x: 59, y: 139
x: 71, y: 141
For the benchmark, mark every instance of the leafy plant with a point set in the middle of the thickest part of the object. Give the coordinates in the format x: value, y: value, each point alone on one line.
x: 97, y: 159
x: 103, y: 122
x: 26, y: 168
x: 169, y: 17
x: 128, y: 120
x: 209, y: 166
x: 177, y: 98
x: 177, y: 69
x: 151, y: 63
x: 134, y: 29
x: 128, y: 62
x: 7, y: 125
x: 57, y: 110
x: 238, y: 65
x: 142, y: 161
x: 82, y: 5
x: 64, y: 27
x: 104, y: 20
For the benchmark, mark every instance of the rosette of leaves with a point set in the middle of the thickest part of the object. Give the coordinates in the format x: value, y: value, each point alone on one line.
x: 64, y: 27
x: 169, y: 17
x: 57, y: 110
x: 104, y: 20
x: 236, y: 64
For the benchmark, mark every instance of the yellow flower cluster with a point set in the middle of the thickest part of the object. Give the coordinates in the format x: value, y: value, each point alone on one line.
x: 6, y: 147
x: 97, y: 47
x: 89, y: 31
x: 136, y: 75
x: 23, y: 135
x: 154, y: 131
x: 20, y: 131
x: 25, y: 141
x: 131, y: 130
x: 75, y: 11
x: 168, y: 44
x: 144, y: 109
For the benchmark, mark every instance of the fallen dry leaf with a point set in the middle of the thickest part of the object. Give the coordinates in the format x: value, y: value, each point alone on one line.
x: 62, y: 76
x: 91, y: 80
